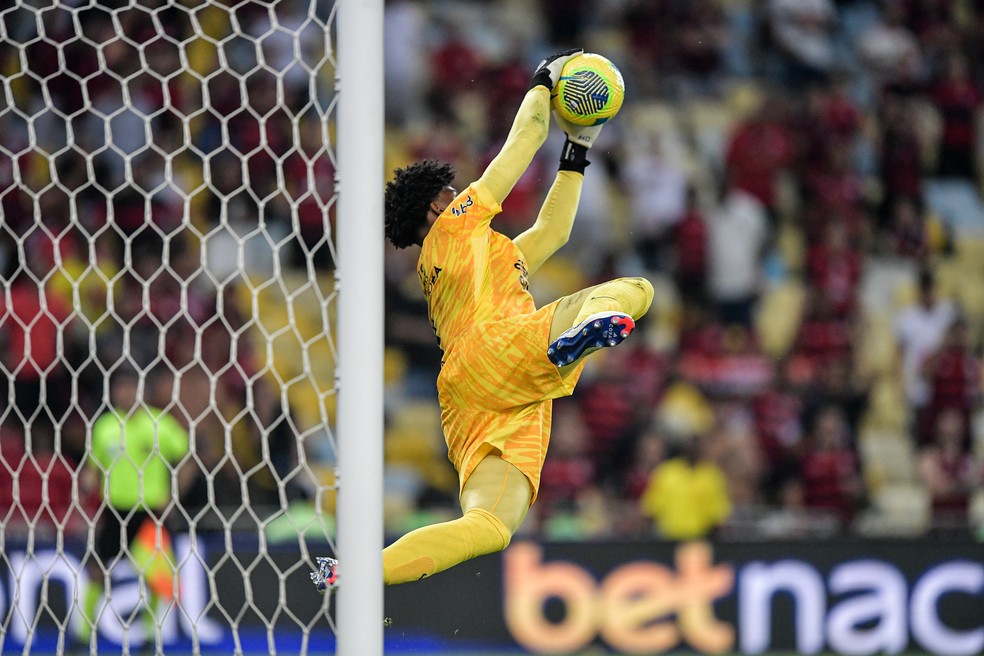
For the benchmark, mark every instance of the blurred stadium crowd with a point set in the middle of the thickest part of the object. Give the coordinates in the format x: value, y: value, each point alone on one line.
x: 800, y: 179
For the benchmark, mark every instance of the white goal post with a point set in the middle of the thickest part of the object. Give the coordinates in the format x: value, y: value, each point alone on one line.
x: 191, y: 325
x: 360, y: 327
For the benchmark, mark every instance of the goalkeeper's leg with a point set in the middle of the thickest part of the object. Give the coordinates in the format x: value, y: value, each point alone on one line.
x: 495, y: 500
x: 596, y: 317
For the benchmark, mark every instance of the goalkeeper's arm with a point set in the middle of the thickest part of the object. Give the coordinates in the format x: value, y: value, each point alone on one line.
x: 528, y: 131
x: 554, y: 222
x: 556, y: 218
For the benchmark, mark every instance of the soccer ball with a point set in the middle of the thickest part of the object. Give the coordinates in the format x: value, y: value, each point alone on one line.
x: 590, y: 90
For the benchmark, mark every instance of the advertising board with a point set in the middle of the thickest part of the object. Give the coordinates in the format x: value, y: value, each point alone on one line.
x: 842, y: 596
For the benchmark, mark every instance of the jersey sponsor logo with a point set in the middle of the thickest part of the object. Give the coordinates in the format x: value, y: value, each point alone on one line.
x: 462, y: 208
x: 428, y: 280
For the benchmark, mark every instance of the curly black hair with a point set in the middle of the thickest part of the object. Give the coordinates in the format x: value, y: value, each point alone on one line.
x: 408, y: 197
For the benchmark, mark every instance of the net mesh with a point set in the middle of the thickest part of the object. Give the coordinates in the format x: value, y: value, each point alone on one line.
x: 167, y: 189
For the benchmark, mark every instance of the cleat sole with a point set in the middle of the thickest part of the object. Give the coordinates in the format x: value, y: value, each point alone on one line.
x: 598, y: 331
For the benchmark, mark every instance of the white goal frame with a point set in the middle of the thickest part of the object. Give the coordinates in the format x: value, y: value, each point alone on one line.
x: 359, y: 616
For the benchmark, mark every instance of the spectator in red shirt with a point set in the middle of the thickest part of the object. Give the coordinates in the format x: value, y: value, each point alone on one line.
x: 620, y: 394
x: 837, y: 383
x: 822, y: 336
x: 838, y: 112
x: 701, y: 38
x: 958, y: 100
x: 906, y: 230
x: 312, y: 194
x: 954, y: 376
x: 12, y: 453
x: 778, y: 414
x: 833, y: 180
x: 834, y: 269
x: 31, y: 320
x: 570, y: 469
x: 759, y: 149
x: 834, y: 188
x: 41, y: 481
x: 830, y: 468
x: 455, y: 63
x: 948, y: 470
x: 900, y: 156
x: 934, y: 22
x: 690, y: 237
x: 830, y: 116
x: 650, y: 38
x: 649, y: 450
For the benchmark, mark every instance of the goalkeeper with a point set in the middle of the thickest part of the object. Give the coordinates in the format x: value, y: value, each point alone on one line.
x: 504, y: 359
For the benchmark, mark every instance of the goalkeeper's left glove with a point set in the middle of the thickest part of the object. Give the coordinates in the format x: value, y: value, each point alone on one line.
x: 580, y: 138
x: 548, y: 72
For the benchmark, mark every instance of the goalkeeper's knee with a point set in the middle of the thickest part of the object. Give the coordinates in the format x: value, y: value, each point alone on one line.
x: 646, y: 289
x: 632, y: 295
x: 488, y: 533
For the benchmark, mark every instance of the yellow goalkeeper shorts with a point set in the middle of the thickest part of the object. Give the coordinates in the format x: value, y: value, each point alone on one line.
x: 495, y: 390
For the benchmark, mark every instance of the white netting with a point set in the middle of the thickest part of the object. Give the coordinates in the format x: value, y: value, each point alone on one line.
x: 167, y: 190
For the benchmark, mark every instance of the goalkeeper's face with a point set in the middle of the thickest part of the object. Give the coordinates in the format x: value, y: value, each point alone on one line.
x: 437, y: 207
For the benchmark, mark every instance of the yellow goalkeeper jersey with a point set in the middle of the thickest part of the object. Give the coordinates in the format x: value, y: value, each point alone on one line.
x: 471, y: 274
x: 496, y: 383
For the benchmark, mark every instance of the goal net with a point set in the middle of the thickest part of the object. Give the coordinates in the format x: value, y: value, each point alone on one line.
x: 167, y: 189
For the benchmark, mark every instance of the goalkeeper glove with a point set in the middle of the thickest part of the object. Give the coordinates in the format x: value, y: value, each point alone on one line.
x: 580, y: 138
x: 548, y: 72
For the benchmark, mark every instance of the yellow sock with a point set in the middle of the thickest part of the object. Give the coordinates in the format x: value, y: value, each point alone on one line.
x: 633, y: 296
x: 435, y: 548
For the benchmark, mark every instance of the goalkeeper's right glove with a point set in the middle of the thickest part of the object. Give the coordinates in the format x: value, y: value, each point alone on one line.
x: 580, y: 138
x: 548, y: 72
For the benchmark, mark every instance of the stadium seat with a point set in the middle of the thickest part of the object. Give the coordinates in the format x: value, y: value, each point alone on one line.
x: 970, y: 251
x: 877, y: 352
x: 887, y: 409
x: 415, y: 442
x: 710, y: 123
x: 559, y: 276
x: 901, y: 509
x: 908, y: 505
x: 779, y: 317
x: 958, y: 204
x: 290, y: 318
x: 887, y: 285
x: 976, y: 512
x: 887, y: 459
